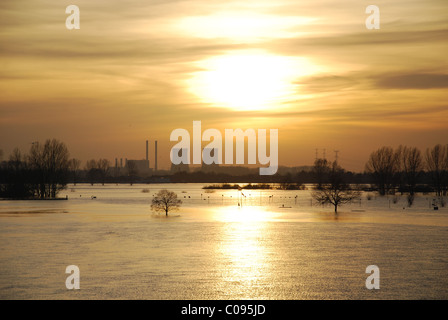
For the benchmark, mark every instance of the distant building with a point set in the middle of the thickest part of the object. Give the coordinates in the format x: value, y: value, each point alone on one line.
x: 138, y: 167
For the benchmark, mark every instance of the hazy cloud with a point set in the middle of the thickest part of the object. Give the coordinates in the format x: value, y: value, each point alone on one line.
x: 413, y: 81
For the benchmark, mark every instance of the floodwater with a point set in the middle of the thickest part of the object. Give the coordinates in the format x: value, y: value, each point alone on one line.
x: 274, y: 245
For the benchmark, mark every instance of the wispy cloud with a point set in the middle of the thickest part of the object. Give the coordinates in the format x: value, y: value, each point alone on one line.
x: 413, y: 81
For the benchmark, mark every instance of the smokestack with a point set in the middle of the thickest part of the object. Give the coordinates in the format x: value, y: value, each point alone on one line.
x: 147, y: 150
x: 155, y: 160
x: 116, y: 163
x: 121, y: 162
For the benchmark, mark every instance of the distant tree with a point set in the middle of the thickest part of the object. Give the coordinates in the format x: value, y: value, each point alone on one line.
x: 92, y: 170
x: 132, y: 171
x: 320, y: 171
x: 16, y: 159
x: 437, y: 166
x: 287, y: 182
x: 336, y: 191
x: 14, y: 176
x: 383, y: 165
x: 74, y: 165
x: 50, y: 166
x: 165, y: 201
x: 42, y: 173
x: 103, y: 169
x: 411, y: 167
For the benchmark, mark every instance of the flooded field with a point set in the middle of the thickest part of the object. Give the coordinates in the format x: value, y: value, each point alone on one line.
x: 225, y: 244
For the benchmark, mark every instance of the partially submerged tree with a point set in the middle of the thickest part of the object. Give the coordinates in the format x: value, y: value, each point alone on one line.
x: 437, y: 166
x: 132, y: 171
x: 40, y: 174
x: 97, y: 170
x: 49, y: 165
x: 320, y: 171
x: 165, y: 201
x: 103, y: 169
x: 411, y: 167
x: 93, y: 173
x: 74, y: 165
x: 336, y: 191
x: 14, y: 177
x: 383, y: 165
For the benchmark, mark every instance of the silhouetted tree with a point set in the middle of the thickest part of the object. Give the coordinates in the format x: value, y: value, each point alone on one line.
x: 165, y: 201
x: 437, y: 166
x: 93, y: 173
x: 132, y: 171
x: 14, y: 177
x: 74, y: 165
x: 16, y: 159
x: 336, y: 191
x: 411, y: 167
x: 383, y: 165
x: 50, y: 165
x: 287, y: 182
x: 321, y: 170
x: 103, y: 169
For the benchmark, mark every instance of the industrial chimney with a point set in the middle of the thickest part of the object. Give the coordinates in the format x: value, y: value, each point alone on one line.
x: 147, y: 150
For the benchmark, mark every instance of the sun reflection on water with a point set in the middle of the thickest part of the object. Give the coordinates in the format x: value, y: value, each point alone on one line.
x: 243, y: 252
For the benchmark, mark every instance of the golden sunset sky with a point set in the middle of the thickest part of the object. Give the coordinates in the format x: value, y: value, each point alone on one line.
x: 136, y: 70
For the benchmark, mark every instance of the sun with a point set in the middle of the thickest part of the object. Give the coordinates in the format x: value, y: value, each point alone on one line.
x: 248, y: 81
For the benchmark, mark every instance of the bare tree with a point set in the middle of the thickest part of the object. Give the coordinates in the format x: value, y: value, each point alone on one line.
x: 14, y: 179
x: 16, y: 159
x: 132, y: 171
x: 103, y: 168
x: 74, y: 165
x: 383, y: 164
x: 165, y: 201
x: 336, y: 191
x: 320, y: 171
x: 411, y: 165
x: 92, y: 171
x: 50, y: 164
x: 437, y: 166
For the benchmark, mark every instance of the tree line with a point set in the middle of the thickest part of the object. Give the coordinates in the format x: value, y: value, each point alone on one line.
x: 41, y: 173
x: 388, y: 170
x: 404, y: 168
x: 47, y: 168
